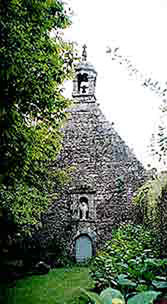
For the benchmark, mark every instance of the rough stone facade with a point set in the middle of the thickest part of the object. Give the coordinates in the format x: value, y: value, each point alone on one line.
x: 105, y: 172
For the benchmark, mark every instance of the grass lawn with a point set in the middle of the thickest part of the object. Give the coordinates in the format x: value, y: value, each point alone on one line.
x: 55, y: 288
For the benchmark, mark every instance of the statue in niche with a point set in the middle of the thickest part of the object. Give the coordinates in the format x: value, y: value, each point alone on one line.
x: 83, y: 208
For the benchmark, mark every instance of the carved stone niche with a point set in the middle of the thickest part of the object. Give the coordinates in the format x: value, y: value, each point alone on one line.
x: 83, y: 205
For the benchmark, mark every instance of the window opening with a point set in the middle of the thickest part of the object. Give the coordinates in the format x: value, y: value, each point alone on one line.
x: 82, y: 83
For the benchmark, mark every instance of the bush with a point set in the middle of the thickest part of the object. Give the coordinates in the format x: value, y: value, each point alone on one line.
x: 128, y: 262
x: 114, y: 296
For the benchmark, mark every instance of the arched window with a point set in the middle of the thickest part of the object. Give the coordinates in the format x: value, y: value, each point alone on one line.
x: 82, y: 83
x: 83, y: 208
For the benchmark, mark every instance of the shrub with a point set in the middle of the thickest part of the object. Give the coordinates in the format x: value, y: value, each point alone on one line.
x: 114, y: 296
x: 128, y: 262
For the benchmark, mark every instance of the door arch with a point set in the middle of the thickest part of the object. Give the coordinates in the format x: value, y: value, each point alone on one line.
x: 83, y: 248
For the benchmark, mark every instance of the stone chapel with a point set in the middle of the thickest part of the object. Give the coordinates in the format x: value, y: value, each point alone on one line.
x: 104, y: 176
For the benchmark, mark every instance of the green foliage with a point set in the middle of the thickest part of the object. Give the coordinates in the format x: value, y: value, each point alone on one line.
x: 33, y: 67
x: 128, y: 242
x: 110, y: 293
x: 149, y: 195
x: 129, y: 262
x: 152, y: 200
x: 113, y: 296
x: 92, y: 297
x: 144, y: 297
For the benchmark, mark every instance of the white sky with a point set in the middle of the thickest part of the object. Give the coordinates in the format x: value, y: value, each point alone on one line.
x: 138, y: 27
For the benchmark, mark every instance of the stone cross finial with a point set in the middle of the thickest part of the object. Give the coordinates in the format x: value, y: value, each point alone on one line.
x: 84, y: 53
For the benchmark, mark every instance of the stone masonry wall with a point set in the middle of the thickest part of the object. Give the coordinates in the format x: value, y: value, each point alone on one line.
x: 105, y: 172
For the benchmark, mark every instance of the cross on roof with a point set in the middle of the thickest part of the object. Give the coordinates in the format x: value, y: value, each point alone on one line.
x: 84, y: 53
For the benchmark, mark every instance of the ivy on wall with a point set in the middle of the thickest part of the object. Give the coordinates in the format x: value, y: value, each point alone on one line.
x: 152, y: 201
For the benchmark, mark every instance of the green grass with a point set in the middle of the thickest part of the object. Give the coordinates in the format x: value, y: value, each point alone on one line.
x: 57, y: 287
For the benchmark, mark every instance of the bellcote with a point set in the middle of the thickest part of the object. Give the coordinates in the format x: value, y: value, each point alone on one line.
x: 85, y: 80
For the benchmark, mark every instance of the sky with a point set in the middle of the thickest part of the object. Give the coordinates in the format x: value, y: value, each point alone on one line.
x: 138, y: 28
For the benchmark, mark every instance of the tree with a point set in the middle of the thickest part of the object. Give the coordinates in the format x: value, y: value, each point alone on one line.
x: 33, y: 67
x: 152, y: 200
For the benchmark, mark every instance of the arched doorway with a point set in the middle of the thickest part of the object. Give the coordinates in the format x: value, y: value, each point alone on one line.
x: 83, y: 248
